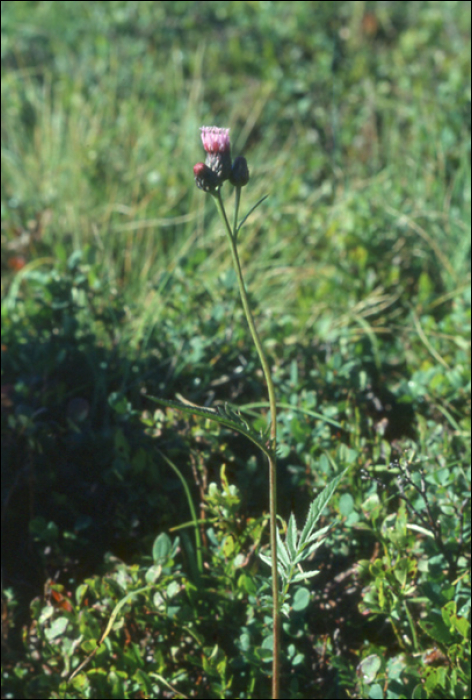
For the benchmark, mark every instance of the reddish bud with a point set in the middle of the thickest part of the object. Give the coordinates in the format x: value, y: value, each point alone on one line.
x: 205, y: 178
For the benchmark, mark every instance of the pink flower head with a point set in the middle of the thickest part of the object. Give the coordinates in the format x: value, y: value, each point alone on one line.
x: 215, y: 140
x: 218, y: 161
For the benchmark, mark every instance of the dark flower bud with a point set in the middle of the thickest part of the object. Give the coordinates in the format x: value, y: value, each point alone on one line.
x: 239, y: 172
x: 205, y: 178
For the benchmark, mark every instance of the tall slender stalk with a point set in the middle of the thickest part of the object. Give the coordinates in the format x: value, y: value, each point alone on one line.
x: 209, y: 177
x: 232, y: 237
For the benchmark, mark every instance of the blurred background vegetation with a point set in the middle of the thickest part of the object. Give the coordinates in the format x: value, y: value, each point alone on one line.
x: 117, y: 284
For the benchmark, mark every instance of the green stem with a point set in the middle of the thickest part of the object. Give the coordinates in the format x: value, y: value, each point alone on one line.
x: 232, y: 235
x: 236, y: 212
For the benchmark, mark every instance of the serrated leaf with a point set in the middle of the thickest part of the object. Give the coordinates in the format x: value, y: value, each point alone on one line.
x: 314, y: 541
x: 311, y: 550
x: 303, y: 575
x: 266, y: 559
x: 318, y: 506
x: 291, y: 537
x: 318, y: 534
x: 222, y: 415
x: 233, y: 415
x: 305, y: 552
x: 282, y: 554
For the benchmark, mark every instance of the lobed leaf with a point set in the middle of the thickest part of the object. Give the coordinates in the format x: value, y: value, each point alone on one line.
x: 222, y: 415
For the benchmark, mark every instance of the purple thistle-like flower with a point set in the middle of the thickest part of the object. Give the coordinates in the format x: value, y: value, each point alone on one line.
x: 215, y: 140
x: 217, y: 145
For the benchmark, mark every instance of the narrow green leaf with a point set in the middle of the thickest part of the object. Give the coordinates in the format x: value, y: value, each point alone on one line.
x: 305, y: 552
x: 318, y: 506
x: 266, y: 559
x: 291, y: 537
x: 311, y: 550
x: 243, y: 221
x: 303, y: 575
x: 318, y: 534
x: 283, y: 556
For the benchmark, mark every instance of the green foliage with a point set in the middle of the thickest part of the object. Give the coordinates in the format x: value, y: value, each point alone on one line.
x: 222, y: 415
x: 297, y: 549
x: 116, y: 287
